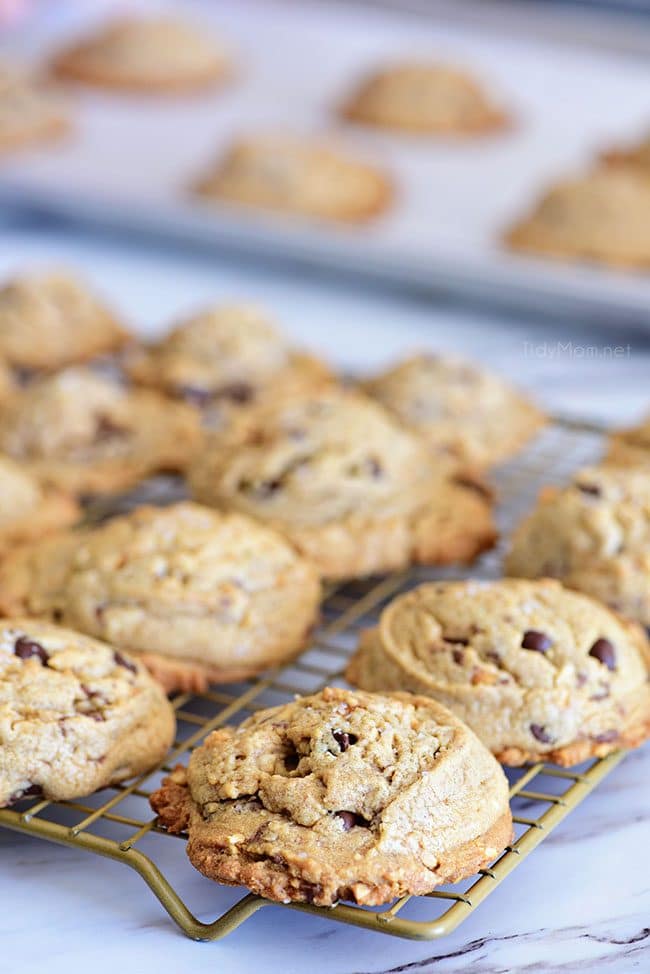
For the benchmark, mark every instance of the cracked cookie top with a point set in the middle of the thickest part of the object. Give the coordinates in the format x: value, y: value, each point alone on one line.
x: 86, y: 433
x: 30, y: 112
x: 341, y: 794
x: 51, y: 320
x: 181, y: 582
x: 224, y: 357
x: 75, y: 714
x: 424, y: 98
x: 294, y: 176
x: 536, y: 669
x: 154, y: 55
x: 466, y: 414
x: 594, y: 535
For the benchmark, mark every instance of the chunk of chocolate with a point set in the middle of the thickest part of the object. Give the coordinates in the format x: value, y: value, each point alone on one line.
x: 537, y: 641
x: 540, y: 734
x: 604, y: 652
x: 25, y: 648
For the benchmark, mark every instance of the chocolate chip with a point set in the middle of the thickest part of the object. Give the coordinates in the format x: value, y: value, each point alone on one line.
x: 375, y: 468
x: 479, y: 488
x: 123, y: 661
x: 604, y: 652
x: 344, y: 740
x: 591, y: 489
x: 106, y: 429
x: 459, y: 640
x: 494, y: 657
x: 458, y: 656
x: 540, y: 733
x: 539, y: 642
x: 349, y: 820
x: 239, y: 392
x: 606, y: 737
x: 25, y: 648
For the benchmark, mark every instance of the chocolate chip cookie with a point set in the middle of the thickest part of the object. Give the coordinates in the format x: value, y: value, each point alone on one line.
x: 157, y: 56
x: 297, y: 177
x: 594, y: 535
x: 51, y: 320
x: 603, y: 217
x: 29, y: 510
x: 467, y: 415
x: 86, y: 434
x: 30, y: 113
x: 223, y: 359
x: 199, y: 596
x: 630, y: 447
x: 75, y: 714
x: 340, y: 796
x: 541, y: 673
x: 426, y: 99
x: 351, y: 488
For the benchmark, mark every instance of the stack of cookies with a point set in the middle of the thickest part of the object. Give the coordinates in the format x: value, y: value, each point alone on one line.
x: 294, y: 477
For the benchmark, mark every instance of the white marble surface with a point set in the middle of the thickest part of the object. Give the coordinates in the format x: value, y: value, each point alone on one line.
x: 581, y: 901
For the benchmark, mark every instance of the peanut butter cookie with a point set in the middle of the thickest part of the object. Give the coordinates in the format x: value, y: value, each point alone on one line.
x: 298, y: 177
x: 51, y: 320
x: 351, y: 488
x: 85, y: 434
x: 199, y: 596
x: 75, y: 714
x: 28, y: 510
x: 539, y: 672
x: 426, y: 99
x: 594, y: 535
x: 467, y: 415
x: 603, y: 217
x: 223, y: 359
x: 340, y: 796
x: 158, y: 56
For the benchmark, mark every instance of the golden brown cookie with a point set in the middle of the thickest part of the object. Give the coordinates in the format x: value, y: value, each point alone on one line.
x: 51, y: 320
x: 28, y: 510
x: 85, y: 434
x: 75, y: 714
x: 603, y: 216
x: 297, y: 177
x: 199, y: 596
x: 425, y: 99
x: 30, y: 113
x: 464, y: 413
x: 539, y: 672
x: 158, y: 56
x: 223, y: 359
x: 340, y: 796
x: 594, y: 535
x: 350, y: 488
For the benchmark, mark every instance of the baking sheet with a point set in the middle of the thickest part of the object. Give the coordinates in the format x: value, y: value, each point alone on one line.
x: 131, y: 159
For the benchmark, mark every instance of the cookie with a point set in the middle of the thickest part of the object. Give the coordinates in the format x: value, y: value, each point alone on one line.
x: 466, y: 415
x: 539, y: 672
x: 51, y: 320
x: 297, y: 177
x: 425, y: 99
x: 30, y: 113
x: 630, y: 447
x: 594, y: 535
x: 603, y: 217
x: 28, y: 510
x: 223, y: 359
x: 199, y: 596
x: 350, y: 488
x: 636, y: 156
x: 7, y: 384
x: 340, y: 796
x: 84, y: 433
x: 157, y: 56
x: 75, y: 714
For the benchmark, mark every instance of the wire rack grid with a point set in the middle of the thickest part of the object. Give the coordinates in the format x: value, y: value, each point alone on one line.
x: 121, y: 825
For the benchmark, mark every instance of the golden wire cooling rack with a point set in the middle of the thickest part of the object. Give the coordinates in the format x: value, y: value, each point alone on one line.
x: 119, y: 824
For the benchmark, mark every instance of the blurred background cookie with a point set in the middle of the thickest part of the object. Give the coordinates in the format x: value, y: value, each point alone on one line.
x: 30, y: 111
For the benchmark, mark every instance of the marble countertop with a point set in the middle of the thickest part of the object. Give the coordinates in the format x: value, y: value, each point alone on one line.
x: 582, y: 900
